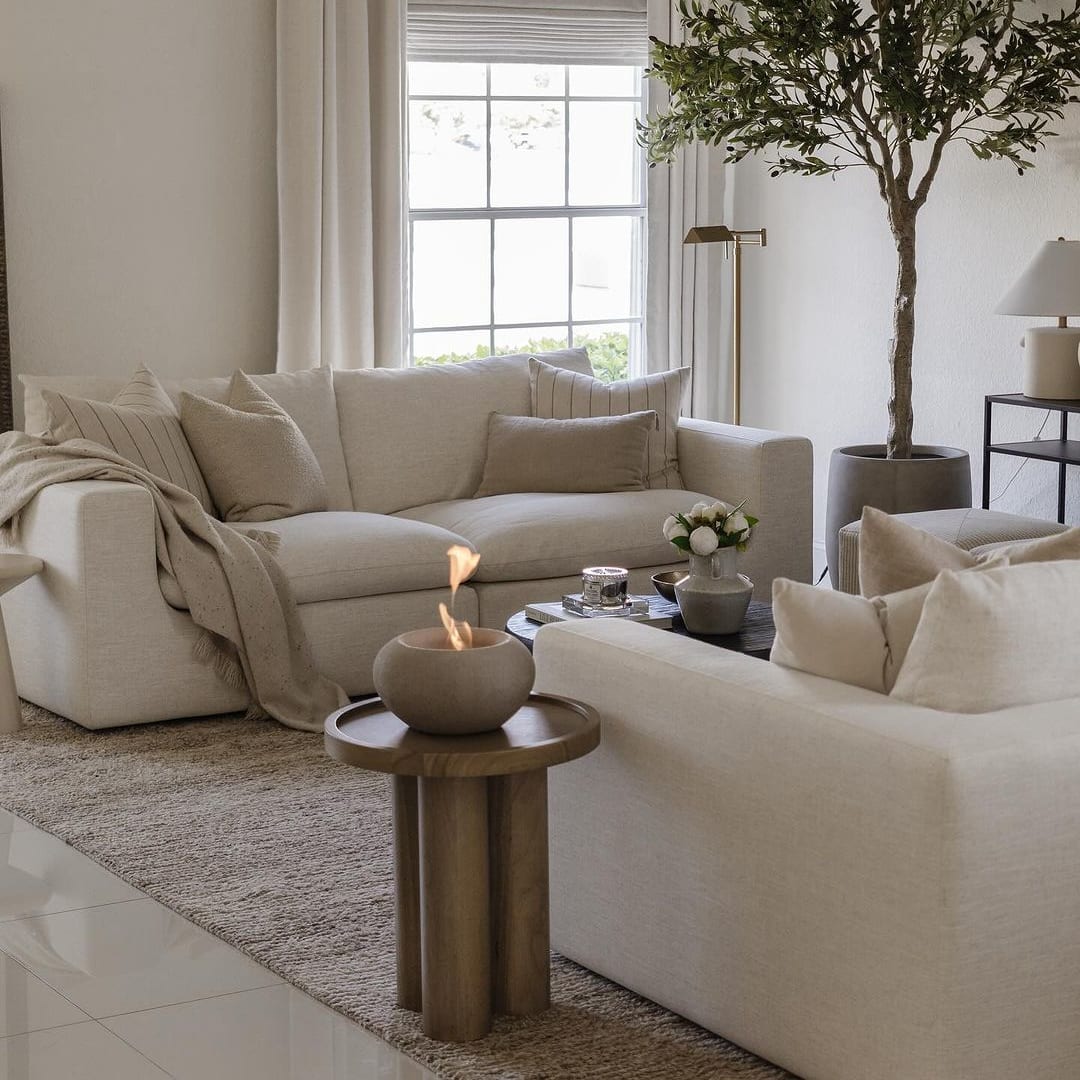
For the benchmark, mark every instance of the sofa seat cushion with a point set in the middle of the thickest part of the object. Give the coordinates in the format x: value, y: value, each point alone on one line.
x: 341, y: 555
x: 541, y: 535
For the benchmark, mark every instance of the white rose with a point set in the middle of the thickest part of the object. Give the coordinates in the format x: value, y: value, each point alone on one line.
x: 718, y: 509
x: 737, y: 523
x: 703, y: 541
x: 673, y: 527
x: 698, y: 510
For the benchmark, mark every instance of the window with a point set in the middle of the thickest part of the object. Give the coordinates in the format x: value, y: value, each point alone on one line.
x: 526, y: 211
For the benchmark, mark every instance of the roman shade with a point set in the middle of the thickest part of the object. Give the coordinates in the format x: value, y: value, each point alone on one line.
x: 547, y: 32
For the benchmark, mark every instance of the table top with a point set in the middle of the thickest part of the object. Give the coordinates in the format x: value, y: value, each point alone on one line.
x: 15, y: 569
x: 546, y: 731
x: 755, y: 638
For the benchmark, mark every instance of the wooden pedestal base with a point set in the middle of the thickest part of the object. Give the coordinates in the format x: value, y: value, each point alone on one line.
x: 471, y: 864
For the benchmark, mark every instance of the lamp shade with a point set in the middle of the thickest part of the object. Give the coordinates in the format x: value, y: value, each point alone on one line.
x: 1050, y: 285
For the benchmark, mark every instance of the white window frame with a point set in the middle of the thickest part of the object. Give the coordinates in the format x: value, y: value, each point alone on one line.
x: 635, y: 323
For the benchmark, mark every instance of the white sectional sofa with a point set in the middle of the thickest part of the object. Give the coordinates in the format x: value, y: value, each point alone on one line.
x: 852, y: 887
x: 99, y: 638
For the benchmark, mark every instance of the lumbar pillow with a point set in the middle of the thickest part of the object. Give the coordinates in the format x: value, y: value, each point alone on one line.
x: 831, y: 634
x: 257, y: 463
x: 563, y: 395
x: 603, y: 453
x: 140, y: 424
x: 994, y: 640
x: 894, y: 555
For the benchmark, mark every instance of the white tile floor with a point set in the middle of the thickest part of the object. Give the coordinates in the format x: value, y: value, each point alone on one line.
x: 99, y: 982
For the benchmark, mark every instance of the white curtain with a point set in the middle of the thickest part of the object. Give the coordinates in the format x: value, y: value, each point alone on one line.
x: 341, y: 183
x: 687, y: 301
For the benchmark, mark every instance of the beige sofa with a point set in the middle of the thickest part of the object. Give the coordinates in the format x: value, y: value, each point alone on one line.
x: 852, y: 887
x: 100, y: 638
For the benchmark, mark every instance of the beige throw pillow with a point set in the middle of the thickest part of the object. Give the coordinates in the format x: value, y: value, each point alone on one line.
x: 140, y: 424
x: 604, y: 453
x: 256, y: 461
x: 831, y: 634
x: 894, y: 555
x: 564, y: 395
x: 997, y: 639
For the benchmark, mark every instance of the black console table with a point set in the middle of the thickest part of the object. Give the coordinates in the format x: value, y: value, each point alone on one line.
x: 1063, y: 451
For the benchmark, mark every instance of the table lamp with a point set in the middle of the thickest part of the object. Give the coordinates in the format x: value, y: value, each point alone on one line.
x: 1050, y: 286
x: 721, y: 234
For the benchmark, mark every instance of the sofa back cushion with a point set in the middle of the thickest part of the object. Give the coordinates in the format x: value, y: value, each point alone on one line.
x: 307, y: 396
x: 414, y: 436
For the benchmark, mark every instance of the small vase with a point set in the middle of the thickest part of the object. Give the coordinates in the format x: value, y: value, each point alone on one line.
x: 714, y: 596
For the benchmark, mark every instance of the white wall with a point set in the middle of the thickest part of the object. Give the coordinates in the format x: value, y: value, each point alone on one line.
x: 819, y: 298
x: 140, y: 181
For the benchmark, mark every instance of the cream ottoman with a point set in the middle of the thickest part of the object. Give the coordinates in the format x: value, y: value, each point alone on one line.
x: 967, y: 528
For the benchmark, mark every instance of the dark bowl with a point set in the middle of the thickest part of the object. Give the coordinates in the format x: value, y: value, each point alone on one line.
x: 665, y: 583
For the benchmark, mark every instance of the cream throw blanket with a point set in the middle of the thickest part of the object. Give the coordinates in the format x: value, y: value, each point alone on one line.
x: 231, y: 583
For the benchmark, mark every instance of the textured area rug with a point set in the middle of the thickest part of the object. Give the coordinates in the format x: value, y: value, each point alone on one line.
x: 249, y: 830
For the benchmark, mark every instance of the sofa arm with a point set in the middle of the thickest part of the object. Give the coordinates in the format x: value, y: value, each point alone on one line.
x: 774, y: 473
x: 91, y: 637
x: 849, y: 886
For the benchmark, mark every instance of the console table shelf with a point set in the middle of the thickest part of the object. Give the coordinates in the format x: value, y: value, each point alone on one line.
x: 1063, y: 451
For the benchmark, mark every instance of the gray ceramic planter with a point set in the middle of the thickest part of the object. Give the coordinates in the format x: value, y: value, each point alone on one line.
x: 934, y: 478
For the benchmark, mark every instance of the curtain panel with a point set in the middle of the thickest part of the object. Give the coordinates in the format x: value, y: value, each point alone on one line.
x: 341, y: 183
x: 687, y: 307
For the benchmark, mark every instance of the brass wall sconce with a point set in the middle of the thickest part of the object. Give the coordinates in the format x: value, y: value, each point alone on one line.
x: 721, y: 234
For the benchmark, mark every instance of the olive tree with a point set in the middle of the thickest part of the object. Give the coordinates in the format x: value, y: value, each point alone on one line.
x: 827, y: 85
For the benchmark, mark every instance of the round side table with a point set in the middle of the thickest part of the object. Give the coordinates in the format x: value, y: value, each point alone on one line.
x: 470, y: 855
x: 14, y: 570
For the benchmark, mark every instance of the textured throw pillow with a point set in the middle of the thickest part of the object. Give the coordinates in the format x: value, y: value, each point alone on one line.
x: 604, y: 453
x: 140, y: 424
x: 564, y: 395
x: 997, y: 639
x: 256, y: 461
x: 831, y: 634
x: 894, y: 555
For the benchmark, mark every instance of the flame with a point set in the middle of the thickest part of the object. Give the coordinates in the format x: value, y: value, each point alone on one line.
x: 459, y: 632
x: 463, y: 563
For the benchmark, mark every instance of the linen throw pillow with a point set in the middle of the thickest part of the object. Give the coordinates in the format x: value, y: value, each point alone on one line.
x: 592, y: 454
x: 256, y: 461
x: 140, y: 424
x: 852, y: 639
x: 565, y: 395
x: 894, y: 555
x: 993, y: 640
x: 831, y: 634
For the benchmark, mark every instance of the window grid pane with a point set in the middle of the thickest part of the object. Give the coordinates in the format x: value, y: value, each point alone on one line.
x: 539, y: 235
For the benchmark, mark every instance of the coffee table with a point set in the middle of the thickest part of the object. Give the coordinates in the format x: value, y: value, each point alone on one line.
x: 470, y: 855
x: 755, y: 638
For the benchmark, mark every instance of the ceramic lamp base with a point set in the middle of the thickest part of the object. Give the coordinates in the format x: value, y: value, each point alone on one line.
x: 1051, y: 369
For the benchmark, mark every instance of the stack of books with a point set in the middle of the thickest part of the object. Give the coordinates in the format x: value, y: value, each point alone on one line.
x: 654, y: 610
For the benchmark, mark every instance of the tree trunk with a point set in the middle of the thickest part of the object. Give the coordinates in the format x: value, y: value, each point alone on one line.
x: 902, y: 217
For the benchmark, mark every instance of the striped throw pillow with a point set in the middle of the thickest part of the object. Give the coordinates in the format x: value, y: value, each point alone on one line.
x: 558, y: 394
x: 140, y: 424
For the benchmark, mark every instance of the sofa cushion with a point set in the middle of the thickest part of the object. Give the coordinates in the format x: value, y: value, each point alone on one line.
x: 341, y: 555
x: 140, y: 424
x: 995, y: 640
x: 414, y: 436
x: 256, y: 461
x: 552, y: 535
x: 894, y: 555
x: 567, y: 394
x: 307, y: 396
x: 525, y: 453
